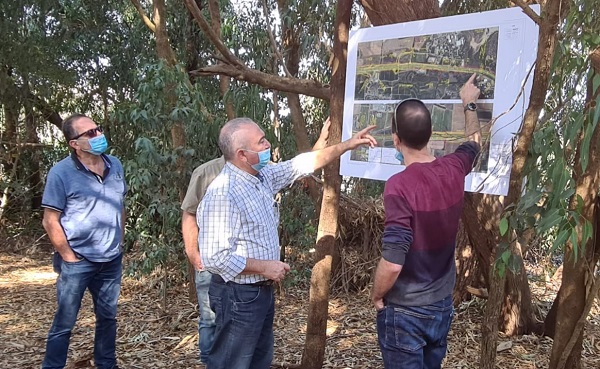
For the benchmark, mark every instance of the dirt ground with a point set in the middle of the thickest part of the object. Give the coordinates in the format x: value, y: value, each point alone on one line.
x: 152, y: 336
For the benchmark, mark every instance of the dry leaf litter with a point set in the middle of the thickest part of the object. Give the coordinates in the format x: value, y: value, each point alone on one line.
x: 153, y: 334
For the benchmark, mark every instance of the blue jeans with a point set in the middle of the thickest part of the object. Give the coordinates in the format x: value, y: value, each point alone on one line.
x: 104, y: 283
x: 244, y: 317
x: 206, y: 322
x: 414, y: 337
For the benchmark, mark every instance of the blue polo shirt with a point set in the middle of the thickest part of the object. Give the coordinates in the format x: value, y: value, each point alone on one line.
x: 91, y: 206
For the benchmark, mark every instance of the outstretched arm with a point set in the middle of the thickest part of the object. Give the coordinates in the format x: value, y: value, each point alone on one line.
x: 469, y: 93
x: 322, y: 141
x: 325, y: 156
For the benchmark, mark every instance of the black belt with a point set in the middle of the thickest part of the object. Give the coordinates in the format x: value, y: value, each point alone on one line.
x: 218, y: 279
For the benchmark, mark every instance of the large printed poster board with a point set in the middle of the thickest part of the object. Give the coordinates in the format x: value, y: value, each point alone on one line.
x: 431, y: 60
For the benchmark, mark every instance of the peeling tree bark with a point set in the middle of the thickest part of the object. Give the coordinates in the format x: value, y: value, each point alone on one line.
x: 576, y: 293
x: 314, y: 348
x: 387, y: 12
x: 546, y: 48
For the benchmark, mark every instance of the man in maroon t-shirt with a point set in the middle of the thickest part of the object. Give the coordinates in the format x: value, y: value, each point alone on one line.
x: 413, y: 285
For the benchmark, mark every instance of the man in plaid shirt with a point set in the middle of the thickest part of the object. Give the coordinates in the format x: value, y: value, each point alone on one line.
x: 239, y: 243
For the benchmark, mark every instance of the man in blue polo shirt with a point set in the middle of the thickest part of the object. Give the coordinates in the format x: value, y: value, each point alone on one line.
x: 84, y: 216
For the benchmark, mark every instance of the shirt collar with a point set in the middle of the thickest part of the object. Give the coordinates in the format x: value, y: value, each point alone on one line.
x: 242, y: 173
x: 81, y: 166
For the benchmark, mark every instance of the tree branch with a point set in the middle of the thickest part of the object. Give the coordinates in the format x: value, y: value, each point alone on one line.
x: 145, y: 18
x: 272, y: 39
x: 212, y: 36
x: 266, y: 80
x: 47, y: 112
x: 527, y: 10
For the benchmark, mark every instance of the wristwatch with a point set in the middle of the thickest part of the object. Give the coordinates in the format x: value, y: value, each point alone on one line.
x: 471, y: 106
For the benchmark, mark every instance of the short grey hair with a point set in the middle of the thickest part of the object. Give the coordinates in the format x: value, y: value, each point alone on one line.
x: 67, y: 126
x: 230, y: 139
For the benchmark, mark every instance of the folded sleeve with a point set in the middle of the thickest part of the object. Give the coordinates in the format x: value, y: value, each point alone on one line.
x: 55, y: 196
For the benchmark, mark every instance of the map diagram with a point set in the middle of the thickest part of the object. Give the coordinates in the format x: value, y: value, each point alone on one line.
x: 431, y: 60
x: 448, y: 121
x: 430, y: 67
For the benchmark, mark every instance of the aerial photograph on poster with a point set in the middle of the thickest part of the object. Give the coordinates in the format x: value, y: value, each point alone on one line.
x: 429, y: 67
x: 448, y: 121
x: 431, y: 60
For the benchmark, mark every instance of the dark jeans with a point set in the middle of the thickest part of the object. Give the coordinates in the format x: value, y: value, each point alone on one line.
x: 206, y: 323
x: 244, y: 333
x: 104, y: 283
x: 414, y: 337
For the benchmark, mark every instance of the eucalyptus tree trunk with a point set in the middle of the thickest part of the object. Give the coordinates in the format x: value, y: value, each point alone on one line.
x: 10, y: 154
x: 577, y: 291
x: 548, y: 23
x: 33, y: 176
x: 316, y: 331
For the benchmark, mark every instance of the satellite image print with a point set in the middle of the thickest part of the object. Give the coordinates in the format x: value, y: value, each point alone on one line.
x: 430, y: 67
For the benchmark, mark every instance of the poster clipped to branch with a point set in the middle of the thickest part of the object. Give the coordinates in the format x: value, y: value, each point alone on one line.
x: 431, y: 60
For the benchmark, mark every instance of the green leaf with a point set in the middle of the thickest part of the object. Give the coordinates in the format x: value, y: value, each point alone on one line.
x: 597, y: 112
x: 596, y: 82
x: 588, y: 231
x: 503, y: 226
x: 505, y: 256
x: 501, y: 269
x: 579, y: 204
x: 561, y: 238
x: 575, y: 245
x: 549, y: 220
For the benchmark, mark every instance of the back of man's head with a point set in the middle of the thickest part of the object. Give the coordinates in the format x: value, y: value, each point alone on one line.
x: 412, y: 123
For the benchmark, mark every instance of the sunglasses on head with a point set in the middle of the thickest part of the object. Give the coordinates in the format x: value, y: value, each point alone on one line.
x: 89, y: 133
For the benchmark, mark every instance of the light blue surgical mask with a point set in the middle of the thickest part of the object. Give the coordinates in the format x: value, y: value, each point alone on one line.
x: 399, y: 156
x: 98, y: 145
x: 263, y: 159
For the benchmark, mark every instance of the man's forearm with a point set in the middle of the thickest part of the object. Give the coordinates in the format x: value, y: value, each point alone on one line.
x: 385, y: 277
x: 327, y: 155
x: 255, y: 266
x: 469, y: 93
x: 472, y: 126
x: 58, y: 239
x: 189, y: 230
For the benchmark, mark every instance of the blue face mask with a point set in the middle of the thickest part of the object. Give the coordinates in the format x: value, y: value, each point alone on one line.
x: 400, y: 156
x: 263, y: 159
x: 98, y: 145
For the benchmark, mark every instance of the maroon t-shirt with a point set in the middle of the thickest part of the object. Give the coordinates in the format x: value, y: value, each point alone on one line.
x: 423, y: 205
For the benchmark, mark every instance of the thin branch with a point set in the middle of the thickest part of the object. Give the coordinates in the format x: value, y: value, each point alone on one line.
x: 272, y: 39
x: 25, y: 144
x: 294, y: 85
x: 145, y: 18
x: 527, y: 10
x: 212, y: 36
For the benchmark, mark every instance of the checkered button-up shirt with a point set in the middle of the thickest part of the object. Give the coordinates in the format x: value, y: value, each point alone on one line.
x: 238, y: 217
